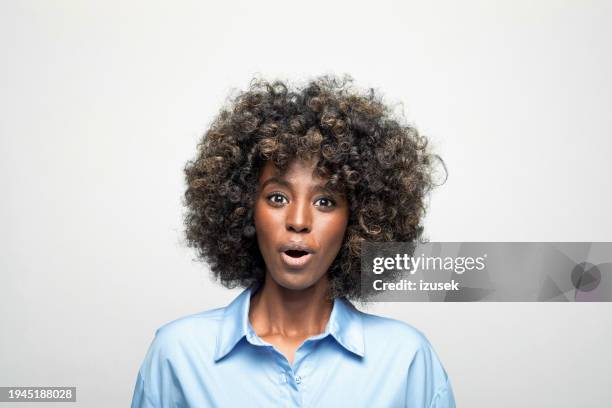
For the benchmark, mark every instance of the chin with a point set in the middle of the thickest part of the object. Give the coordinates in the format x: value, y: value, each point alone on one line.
x: 294, y: 280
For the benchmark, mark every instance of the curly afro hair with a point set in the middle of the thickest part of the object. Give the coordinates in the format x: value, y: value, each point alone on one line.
x: 383, y: 167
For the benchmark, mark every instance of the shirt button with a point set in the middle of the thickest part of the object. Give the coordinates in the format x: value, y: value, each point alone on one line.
x: 298, y: 379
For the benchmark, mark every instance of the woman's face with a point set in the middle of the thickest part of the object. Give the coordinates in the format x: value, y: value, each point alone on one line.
x: 299, y: 224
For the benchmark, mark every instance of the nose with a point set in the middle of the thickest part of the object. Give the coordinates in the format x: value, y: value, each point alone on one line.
x: 299, y: 217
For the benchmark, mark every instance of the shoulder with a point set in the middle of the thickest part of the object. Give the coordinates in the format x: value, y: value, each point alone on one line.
x: 391, y: 339
x: 188, y: 333
x: 385, y: 330
x: 406, y: 350
x: 177, y: 347
x: 204, y: 320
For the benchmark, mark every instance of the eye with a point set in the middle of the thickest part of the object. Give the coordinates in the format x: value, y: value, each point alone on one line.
x: 325, y: 202
x: 277, y: 199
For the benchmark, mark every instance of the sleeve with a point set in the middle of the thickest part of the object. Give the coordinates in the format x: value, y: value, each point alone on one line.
x: 428, y: 384
x: 444, y: 397
x: 157, y: 385
x: 139, y: 398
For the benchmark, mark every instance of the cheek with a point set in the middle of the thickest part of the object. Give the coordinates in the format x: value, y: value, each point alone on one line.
x: 334, y: 229
x: 264, y: 218
x: 266, y: 224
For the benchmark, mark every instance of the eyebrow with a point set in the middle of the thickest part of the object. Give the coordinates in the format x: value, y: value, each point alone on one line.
x: 283, y: 182
x: 277, y: 180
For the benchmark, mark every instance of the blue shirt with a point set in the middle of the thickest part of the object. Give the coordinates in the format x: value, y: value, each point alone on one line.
x: 214, y: 358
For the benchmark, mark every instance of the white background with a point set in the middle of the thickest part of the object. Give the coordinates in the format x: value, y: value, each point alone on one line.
x: 102, y: 103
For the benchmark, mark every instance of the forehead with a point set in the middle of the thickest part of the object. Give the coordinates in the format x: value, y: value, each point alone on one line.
x: 297, y: 171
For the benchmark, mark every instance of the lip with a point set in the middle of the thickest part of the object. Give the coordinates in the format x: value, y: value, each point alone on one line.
x: 296, y: 263
x: 296, y: 246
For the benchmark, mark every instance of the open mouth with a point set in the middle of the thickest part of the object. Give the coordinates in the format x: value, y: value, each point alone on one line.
x: 294, y: 258
x: 294, y: 253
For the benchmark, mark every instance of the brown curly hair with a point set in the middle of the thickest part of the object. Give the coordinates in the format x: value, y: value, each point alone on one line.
x: 383, y: 167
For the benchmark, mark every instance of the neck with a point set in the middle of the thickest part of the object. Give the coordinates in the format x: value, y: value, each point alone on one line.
x: 276, y: 310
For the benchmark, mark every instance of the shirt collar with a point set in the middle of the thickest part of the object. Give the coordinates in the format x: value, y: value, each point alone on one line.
x: 345, y: 325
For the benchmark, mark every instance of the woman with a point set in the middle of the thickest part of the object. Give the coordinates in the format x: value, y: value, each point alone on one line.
x: 285, y: 187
